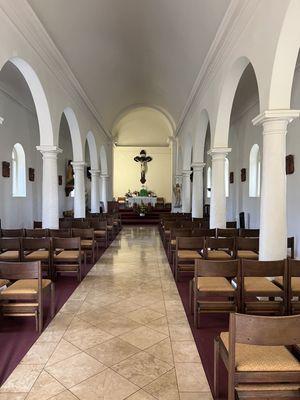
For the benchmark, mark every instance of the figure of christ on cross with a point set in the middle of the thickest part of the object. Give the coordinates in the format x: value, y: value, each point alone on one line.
x: 143, y: 159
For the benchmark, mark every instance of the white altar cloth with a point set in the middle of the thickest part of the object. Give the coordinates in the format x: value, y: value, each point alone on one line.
x: 141, y: 199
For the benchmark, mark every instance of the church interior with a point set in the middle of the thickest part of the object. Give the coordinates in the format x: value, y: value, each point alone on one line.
x: 149, y: 194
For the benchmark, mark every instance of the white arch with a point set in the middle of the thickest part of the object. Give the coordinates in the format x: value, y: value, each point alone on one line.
x: 39, y: 98
x: 220, y: 136
x: 18, y: 171
x: 75, y: 134
x: 199, y: 136
x: 103, y: 161
x: 90, y: 138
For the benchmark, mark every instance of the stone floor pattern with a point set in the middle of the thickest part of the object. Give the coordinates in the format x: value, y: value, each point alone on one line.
x: 123, y: 334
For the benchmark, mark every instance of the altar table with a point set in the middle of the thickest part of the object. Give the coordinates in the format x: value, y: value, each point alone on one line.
x: 141, y: 199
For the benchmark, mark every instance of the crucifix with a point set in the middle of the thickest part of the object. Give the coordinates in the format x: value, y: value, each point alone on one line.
x: 143, y: 159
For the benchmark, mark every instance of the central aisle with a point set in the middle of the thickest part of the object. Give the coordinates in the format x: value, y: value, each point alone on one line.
x: 123, y: 334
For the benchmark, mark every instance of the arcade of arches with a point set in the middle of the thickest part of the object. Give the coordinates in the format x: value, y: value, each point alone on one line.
x: 209, y: 93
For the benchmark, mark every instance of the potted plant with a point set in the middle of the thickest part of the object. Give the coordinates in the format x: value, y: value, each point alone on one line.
x: 142, y: 210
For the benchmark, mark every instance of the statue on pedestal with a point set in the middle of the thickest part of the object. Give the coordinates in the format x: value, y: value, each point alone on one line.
x: 177, y: 193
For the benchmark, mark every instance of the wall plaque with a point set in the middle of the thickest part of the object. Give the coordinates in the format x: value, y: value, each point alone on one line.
x: 243, y: 175
x: 231, y: 177
x: 5, y: 169
x: 31, y: 174
x: 289, y: 164
x: 60, y: 180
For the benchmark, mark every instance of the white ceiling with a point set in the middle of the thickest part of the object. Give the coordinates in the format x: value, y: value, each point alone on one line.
x: 127, y: 52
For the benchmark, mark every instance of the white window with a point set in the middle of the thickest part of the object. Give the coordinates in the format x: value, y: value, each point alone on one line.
x: 208, y: 182
x: 254, y: 171
x: 18, y: 171
x: 226, y: 177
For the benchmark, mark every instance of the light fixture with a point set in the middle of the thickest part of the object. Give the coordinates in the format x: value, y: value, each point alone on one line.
x: 1, y: 120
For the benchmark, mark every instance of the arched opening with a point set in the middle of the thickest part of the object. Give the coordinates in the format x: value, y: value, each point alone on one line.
x: 254, y: 171
x: 18, y: 171
x: 208, y: 182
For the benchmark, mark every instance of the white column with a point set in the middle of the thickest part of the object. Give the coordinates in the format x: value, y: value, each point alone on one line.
x: 173, y: 145
x: 95, y: 191
x: 104, y: 179
x: 50, y: 208
x: 197, y: 196
x: 79, y: 189
x: 186, y: 191
x: 218, y: 196
x: 273, y: 224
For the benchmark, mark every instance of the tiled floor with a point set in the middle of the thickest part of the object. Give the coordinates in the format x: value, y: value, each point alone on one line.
x: 123, y: 334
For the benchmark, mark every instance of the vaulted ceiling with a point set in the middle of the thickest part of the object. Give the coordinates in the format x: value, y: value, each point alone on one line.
x: 133, y: 52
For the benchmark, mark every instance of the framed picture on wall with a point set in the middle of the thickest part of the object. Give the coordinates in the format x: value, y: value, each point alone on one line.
x: 243, y: 175
x: 289, y: 164
x: 60, y: 180
x: 5, y: 169
x: 231, y: 177
x: 31, y: 174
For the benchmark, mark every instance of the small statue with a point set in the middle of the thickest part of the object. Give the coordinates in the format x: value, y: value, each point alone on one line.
x: 69, y: 178
x: 177, y: 193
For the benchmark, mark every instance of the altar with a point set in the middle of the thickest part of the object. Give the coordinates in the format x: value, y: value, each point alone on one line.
x: 141, y: 199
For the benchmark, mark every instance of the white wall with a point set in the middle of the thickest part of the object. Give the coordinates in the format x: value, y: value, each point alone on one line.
x: 127, y: 171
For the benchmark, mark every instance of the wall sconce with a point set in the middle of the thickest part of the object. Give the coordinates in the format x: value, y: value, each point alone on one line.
x: 1, y: 120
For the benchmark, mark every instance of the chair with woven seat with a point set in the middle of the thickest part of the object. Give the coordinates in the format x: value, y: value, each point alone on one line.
x: 37, y: 249
x: 10, y: 249
x: 65, y: 223
x: 219, y: 248
x: 294, y: 286
x: 188, y: 249
x: 175, y: 233
x: 60, y: 233
x: 203, y: 232
x: 37, y: 233
x: 78, y: 224
x: 100, y: 232
x: 254, y: 233
x: 88, y: 243
x: 25, y: 297
x: 258, y: 354
x: 213, y: 292
x: 37, y: 224
x: 231, y: 224
x: 259, y: 295
x: 228, y: 232
x: 13, y: 233
x: 67, y: 256
x: 247, y: 248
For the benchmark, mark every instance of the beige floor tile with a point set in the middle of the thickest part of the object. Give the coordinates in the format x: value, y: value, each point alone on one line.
x: 116, y: 326
x: 105, y: 386
x: 123, y: 307
x: 112, y: 351
x: 159, y: 307
x: 142, y: 368
x: 180, y: 332
x: 162, y: 350
x: 75, y: 369
x: 144, y: 315
x: 165, y: 387
x: 39, y: 353
x: 21, y: 379
x: 95, y: 316
x: 160, y: 325
x: 84, y: 335
x: 12, y: 396
x: 185, y: 351
x: 63, y: 350
x: 141, y: 395
x: 45, y: 387
x: 66, y: 395
x: 195, y: 396
x: 143, y: 337
x: 191, y: 377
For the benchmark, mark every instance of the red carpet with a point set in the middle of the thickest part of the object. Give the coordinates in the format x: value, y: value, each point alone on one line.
x: 17, y: 335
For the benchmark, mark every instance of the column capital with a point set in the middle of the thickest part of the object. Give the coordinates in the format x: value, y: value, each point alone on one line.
x: 219, y: 152
x: 276, y: 116
x: 186, y: 172
x: 78, y: 165
x: 104, y: 176
x: 198, y: 166
x: 49, y: 151
x: 95, y: 172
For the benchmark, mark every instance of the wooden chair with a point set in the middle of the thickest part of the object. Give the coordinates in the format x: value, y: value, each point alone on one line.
x: 10, y: 249
x: 37, y: 224
x: 60, y: 233
x: 294, y: 286
x: 80, y: 224
x: 247, y: 248
x: 111, y: 228
x: 37, y: 249
x: 203, y: 232
x: 188, y: 249
x: 67, y: 256
x: 228, y: 232
x: 65, y: 224
x: 257, y: 352
x: 291, y: 247
x: 24, y: 298
x: 175, y: 233
x: 37, y: 233
x: 213, y: 292
x: 219, y: 248
x: 231, y: 224
x: 101, y: 232
x: 88, y: 242
x: 249, y: 233
x: 258, y: 294
x: 14, y: 233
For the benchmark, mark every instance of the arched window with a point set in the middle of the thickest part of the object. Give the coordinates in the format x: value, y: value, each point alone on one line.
x: 226, y: 177
x: 254, y: 171
x: 208, y: 182
x: 18, y: 171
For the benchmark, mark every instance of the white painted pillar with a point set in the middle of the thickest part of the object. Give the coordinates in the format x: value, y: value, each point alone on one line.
x: 104, y: 179
x: 95, y: 190
x: 79, y: 189
x: 273, y: 220
x: 50, y: 207
x: 218, y: 196
x: 173, y: 146
x: 186, y: 191
x: 197, y: 196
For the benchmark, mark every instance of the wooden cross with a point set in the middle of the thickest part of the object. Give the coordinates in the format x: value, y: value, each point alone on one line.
x: 143, y: 159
